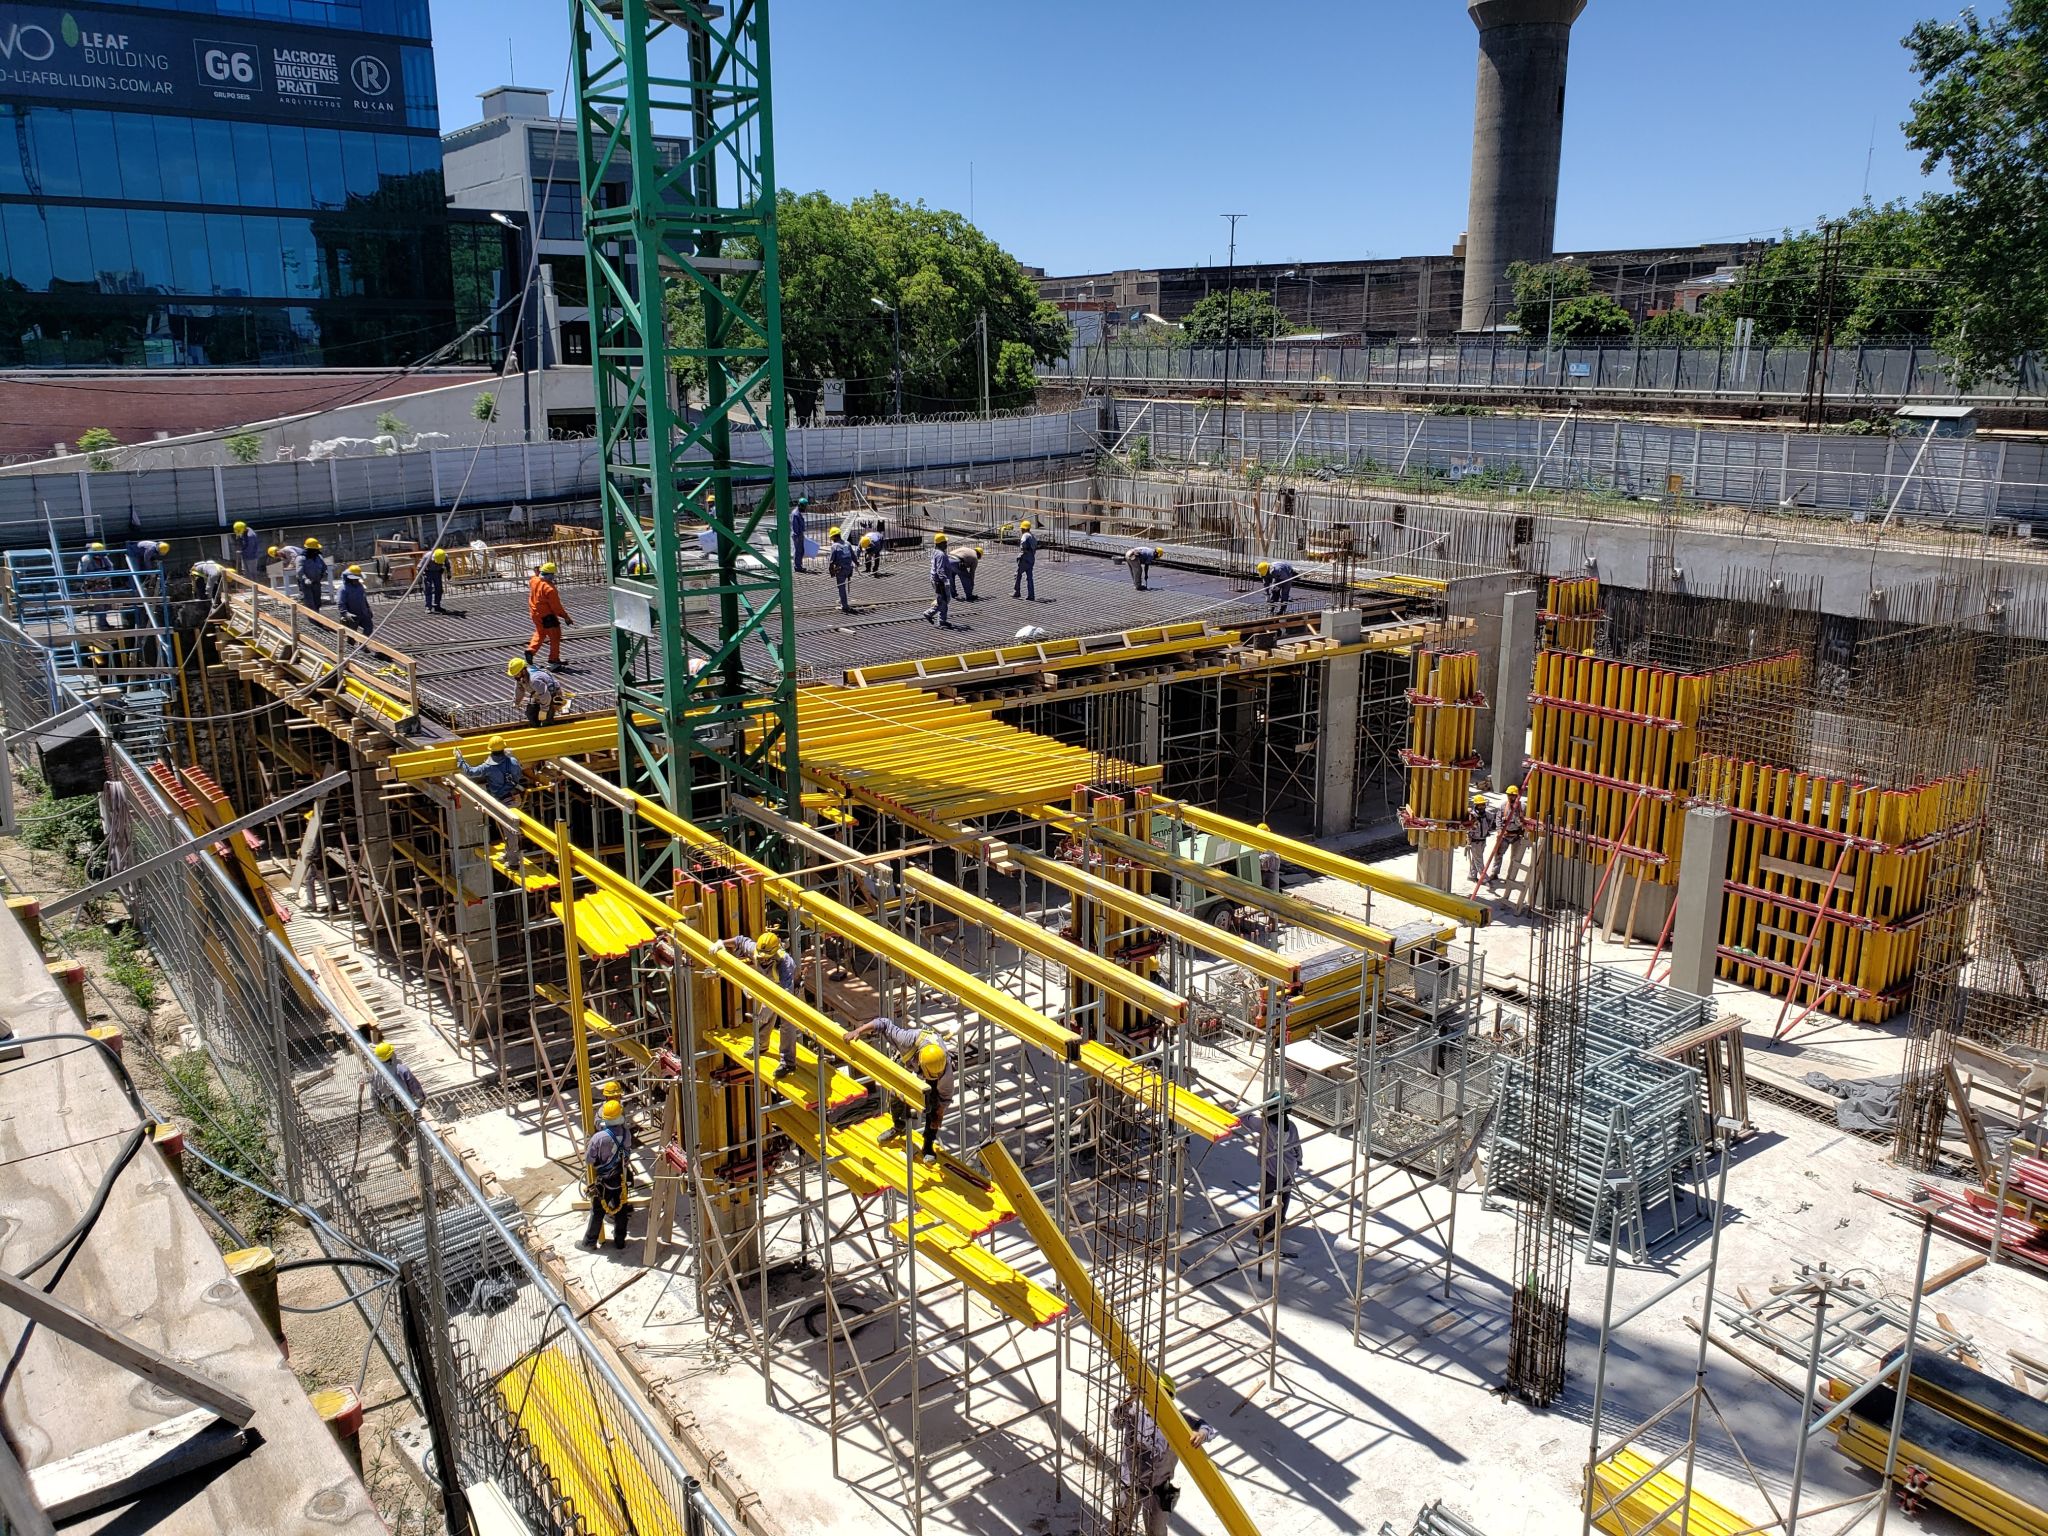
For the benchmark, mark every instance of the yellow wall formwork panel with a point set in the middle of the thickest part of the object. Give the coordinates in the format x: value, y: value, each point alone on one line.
x: 1831, y: 881
x: 1571, y: 613
x: 1444, y: 702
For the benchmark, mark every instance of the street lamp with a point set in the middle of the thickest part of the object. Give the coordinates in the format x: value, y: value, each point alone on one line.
x: 526, y: 265
x: 896, y: 336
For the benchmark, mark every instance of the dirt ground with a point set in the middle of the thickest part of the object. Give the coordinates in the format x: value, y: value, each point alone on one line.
x: 327, y: 1348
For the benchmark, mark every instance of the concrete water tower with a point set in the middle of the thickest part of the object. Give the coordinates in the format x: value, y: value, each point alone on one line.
x: 1517, y: 135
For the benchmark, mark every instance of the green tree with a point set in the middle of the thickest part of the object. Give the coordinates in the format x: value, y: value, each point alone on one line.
x: 1884, y: 284
x: 245, y: 447
x: 937, y: 270
x: 94, y: 442
x: 1249, y: 312
x: 485, y: 406
x: 1982, y: 115
x: 1556, y: 299
x: 1706, y: 327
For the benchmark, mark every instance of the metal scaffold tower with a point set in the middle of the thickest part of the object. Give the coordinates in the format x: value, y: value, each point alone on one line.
x: 674, y: 138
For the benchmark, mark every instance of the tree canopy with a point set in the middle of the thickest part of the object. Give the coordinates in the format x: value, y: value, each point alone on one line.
x: 1556, y: 299
x: 1243, y: 314
x: 1982, y: 115
x: 1883, y: 284
x: 934, y: 268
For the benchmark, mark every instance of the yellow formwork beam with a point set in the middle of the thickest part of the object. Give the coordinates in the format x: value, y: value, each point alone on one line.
x: 1648, y: 1502
x: 702, y: 953
x: 938, y: 1188
x: 1106, y: 1326
x: 585, y: 1448
x: 1027, y: 935
x: 1001, y: 1284
x: 1335, y: 865
x: 577, y: 738
x: 1156, y: 914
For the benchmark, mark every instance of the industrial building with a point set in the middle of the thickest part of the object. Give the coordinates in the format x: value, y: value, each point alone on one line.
x: 785, y: 985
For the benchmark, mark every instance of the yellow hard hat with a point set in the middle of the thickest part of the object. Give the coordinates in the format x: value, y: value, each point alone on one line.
x: 313, y: 545
x: 96, y: 544
x: 1025, y: 525
x: 866, y: 539
x: 1158, y: 552
x: 496, y: 744
x: 440, y: 557
x: 612, y: 1112
x: 1478, y: 798
x: 272, y: 551
x: 163, y: 547
x: 354, y: 572
x: 547, y: 568
x: 1588, y: 651
x: 241, y: 527
x: 1514, y: 789
x: 610, y: 1088
x: 384, y: 1050
x: 977, y: 551
x: 931, y: 1059
x: 1264, y: 566
x: 515, y: 666
x: 1166, y: 1384
x: 938, y: 538
x: 769, y: 945
x: 195, y: 570
x: 835, y: 531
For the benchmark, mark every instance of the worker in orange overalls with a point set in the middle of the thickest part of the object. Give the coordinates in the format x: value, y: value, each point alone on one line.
x: 544, y: 603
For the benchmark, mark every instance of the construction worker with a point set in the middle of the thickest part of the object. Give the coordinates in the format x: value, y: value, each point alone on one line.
x: 942, y: 584
x: 1479, y: 824
x: 397, y: 1105
x: 839, y: 565
x: 544, y: 604
x: 434, y: 581
x: 146, y: 554
x: 1279, y: 1164
x: 97, y: 566
x: 312, y: 573
x: 353, y: 602
x: 964, y: 565
x: 1511, y: 846
x: 871, y: 550
x: 1269, y: 865
x: 1139, y: 561
x: 1146, y: 1460
x: 501, y: 778
x: 248, y: 551
x: 798, y: 525
x: 208, y: 576
x: 286, y: 558
x: 772, y: 956
x: 924, y: 1053
x: 1279, y: 577
x: 536, y: 690
x: 608, y: 1170
x: 1025, y: 585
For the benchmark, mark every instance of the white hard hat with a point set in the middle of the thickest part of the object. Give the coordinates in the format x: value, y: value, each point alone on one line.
x: 1030, y: 632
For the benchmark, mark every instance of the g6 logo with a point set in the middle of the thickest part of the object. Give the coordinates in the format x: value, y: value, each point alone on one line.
x: 229, y: 66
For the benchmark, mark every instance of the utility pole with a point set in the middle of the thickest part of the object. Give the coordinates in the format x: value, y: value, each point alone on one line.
x: 1229, y: 317
x: 984, y: 364
x: 1820, y: 351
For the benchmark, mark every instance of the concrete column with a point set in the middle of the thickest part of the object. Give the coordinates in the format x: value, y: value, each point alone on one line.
x: 1151, y: 724
x: 1702, y: 870
x: 470, y: 835
x: 1337, y: 737
x: 1513, y: 678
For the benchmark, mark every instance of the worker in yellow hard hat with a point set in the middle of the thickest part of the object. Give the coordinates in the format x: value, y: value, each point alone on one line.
x: 248, y: 551
x: 608, y: 1170
x: 97, y: 566
x: 871, y: 551
x: 397, y: 1105
x: 1024, y: 583
x: 353, y: 602
x: 1279, y: 577
x: 965, y: 563
x: 434, y: 581
x: 1479, y: 824
x: 925, y: 1053
x: 536, y: 690
x: 773, y: 957
x: 942, y: 584
x: 1139, y: 560
x: 1511, y: 845
x: 840, y: 564
x: 1145, y: 1458
x: 549, y: 613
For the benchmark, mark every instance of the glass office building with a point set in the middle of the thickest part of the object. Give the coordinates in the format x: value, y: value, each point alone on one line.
x: 228, y: 183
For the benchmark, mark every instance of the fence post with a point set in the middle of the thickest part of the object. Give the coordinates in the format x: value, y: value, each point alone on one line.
x: 334, y: 486
x: 434, y: 474
x: 526, y: 464
x: 220, y: 498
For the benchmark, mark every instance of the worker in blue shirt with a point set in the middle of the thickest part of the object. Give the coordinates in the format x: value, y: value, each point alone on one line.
x: 98, y: 565
x: 499, y: 777
x: 964, y: 565
x: 942, y: 584
x: 434, y: 581
x: 1279, y: 577
x: 354, y: 602
x: 1026, y: 584
x: 312, y: 573
x: 608, y: 1169
x: 799, y: 523
x: 1139, y: 562
x: 772, y: 956
x: 146, y: 554
x: 399, y: 1105
x: 248, y: 551
x: 839, y: 565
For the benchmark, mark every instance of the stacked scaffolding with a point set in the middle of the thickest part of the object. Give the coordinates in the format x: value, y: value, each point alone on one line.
x: 1570, y: 613
x: 1444, y: 701
x: 1640, y: 1129
x: 1614, y: 745
x: 1833, y: 881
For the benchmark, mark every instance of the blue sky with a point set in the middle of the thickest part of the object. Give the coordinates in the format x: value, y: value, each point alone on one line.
x: 1106, y: 133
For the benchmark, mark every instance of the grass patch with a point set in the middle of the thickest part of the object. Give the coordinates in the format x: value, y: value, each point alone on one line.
x: 69, y: 828
x: 127, y: 962
x: 233, y: 1130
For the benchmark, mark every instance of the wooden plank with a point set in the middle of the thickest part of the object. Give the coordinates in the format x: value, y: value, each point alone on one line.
x: 116, y: 1472
x: 1956, y: 1271
x: 1817, y: 874
x: 69, y: 1323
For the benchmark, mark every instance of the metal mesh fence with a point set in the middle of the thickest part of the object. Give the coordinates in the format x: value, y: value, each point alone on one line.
x: 516, y: 1391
